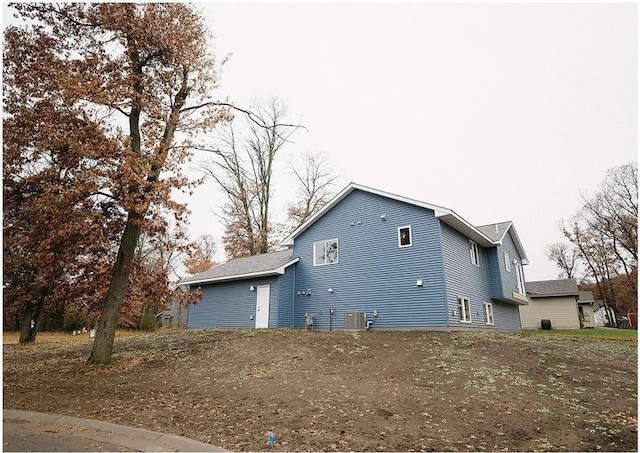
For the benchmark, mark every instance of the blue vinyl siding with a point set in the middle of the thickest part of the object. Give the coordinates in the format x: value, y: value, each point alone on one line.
x: 506, y: 316
x: 232, y: 304
x: 286, y: 306
x: 479, y: 284
x: 504, y: 283
x: 495, y: 272
x: 373, y: 272
x: 465, y: 279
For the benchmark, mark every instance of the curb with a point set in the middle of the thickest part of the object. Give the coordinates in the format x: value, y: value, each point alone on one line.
x: 135, y: 439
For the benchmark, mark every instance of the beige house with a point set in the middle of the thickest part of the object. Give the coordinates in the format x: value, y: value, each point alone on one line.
x: 558, y: 302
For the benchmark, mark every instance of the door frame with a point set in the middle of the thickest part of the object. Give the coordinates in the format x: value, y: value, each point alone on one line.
x: 262, y: 306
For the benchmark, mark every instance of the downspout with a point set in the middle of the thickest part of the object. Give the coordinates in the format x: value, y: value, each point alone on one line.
x: 293, y: 297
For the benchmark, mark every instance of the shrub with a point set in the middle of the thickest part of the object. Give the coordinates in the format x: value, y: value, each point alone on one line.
x: 148, y: 321
x: 74, y: 319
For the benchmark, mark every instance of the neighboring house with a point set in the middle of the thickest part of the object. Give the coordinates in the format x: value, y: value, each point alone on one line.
x: 373, y: 259
x: 256, y: 291
x: 559, y: 302
x: 603, y: 314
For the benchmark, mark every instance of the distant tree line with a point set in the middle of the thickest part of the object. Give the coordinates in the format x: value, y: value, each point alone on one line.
x: 601, y: 251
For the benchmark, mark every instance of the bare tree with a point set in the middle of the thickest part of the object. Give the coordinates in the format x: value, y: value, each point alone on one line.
x: 243, y: 168
x: 565, y: 257
x: 316, y: 186
x: 604, y: 231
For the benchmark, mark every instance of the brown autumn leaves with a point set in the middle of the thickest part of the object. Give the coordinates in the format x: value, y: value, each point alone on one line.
x: 104, y: 105
x: 102, y: 102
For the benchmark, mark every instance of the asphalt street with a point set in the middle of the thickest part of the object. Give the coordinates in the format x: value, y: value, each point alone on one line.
x: 35, y: 431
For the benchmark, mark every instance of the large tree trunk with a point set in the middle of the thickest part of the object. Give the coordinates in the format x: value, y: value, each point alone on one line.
x: 31, y: 320
x: 106, y: 330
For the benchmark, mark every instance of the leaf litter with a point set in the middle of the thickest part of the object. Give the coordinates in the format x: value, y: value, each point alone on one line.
x: 342, y: 391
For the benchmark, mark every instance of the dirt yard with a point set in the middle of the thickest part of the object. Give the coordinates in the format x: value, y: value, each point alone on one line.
x: 385, y: 391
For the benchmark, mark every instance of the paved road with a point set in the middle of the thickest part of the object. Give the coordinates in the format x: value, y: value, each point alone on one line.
x: 35, y: 431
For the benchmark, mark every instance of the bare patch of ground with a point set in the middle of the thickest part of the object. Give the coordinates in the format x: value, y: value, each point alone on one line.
x: 343, y: 391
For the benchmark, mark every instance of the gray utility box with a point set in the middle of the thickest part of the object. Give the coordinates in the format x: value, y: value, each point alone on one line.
x: 354, y: 320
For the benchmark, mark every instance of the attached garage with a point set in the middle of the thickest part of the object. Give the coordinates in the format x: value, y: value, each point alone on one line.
x: 251, y: 292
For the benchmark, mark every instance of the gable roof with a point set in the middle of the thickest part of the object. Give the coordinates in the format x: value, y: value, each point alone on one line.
x: 480, y: 235
x: 240, y: 268
x: 497, y: 232
x: 552, y: 288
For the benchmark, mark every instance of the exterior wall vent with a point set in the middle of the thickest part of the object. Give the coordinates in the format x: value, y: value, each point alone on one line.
x: 354, y: 320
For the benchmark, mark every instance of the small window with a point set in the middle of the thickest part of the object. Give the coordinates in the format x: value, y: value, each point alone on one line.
x: 464, y: 309
x: 488, y: 314
x: 404, y: 236
x: 475, y: 254
x: 507, y: 262
x: 325, y: 252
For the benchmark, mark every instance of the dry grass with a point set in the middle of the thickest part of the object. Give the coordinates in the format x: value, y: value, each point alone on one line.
x: 339, y: 391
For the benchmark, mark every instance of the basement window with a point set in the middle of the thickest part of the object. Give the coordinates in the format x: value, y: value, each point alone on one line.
x: 464, y: 309
x: 488, y: 314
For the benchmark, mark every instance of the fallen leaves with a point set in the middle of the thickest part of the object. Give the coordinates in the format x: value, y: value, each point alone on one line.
x: 336, y: 391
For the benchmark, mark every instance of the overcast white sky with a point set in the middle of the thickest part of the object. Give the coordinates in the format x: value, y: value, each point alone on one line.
x: 499, y: 111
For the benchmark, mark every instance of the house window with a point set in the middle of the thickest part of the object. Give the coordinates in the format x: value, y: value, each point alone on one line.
x: 404, y: 236
x: 473, y: 251
x: 520, y: 279
x: 507, y: 263
x: 488, y: 314
x: 464, y: 309
x: 325, y: 252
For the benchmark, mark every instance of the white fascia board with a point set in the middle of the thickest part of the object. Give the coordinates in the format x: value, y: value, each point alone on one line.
x: 518, y: 244
x: 288, y: 241
x: 346, y: 191
x: 267, y: 273
x: 446, y: 214
x: 459, y: 224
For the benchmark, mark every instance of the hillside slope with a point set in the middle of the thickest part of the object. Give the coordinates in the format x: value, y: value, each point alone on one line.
x: 386, y: 391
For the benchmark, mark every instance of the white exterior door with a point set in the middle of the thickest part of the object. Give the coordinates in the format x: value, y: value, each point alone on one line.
x: 262, y: 306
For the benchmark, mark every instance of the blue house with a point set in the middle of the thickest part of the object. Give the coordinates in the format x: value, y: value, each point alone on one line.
x: 373, y: 259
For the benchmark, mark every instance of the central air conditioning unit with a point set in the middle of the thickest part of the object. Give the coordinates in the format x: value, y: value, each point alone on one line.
x: 354, y: 320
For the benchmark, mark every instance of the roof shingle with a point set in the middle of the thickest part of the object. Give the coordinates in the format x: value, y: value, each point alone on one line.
x: 549, y: 288
x: 250, y: 266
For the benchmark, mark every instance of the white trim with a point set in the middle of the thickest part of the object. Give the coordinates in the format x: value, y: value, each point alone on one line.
x: 520, y: 297
x: 445, y: 214
x: 507, y: 262
x: 264, y: 303
x: 461, y: 310
x: 325, y: 246
x: 488, y: 309
x: 474, y: 253
x: 520, y: 283
x: 410, y: 236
